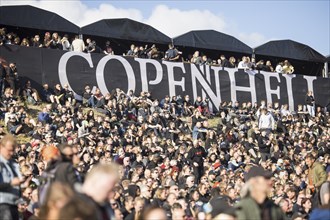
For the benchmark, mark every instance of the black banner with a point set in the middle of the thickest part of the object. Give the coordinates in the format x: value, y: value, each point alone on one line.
x: 162, y: 77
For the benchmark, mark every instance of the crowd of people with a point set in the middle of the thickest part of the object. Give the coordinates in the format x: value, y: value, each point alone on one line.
x: 54, y: 41
x: 132, y: 156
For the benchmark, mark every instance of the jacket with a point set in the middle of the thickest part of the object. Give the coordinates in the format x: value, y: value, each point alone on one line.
x: 266, y: 122
x: 309, y: 100
x: 263, y: 146
x: 65, y: 172
x: 8, y: 193
x: 317, y: 174
x: 248, y: 208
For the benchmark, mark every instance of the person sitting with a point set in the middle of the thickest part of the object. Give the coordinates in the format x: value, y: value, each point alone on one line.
x: 87, y: 95
x: 98, y: 98
x: 30, y: 94
x: 59, y: 94
x: 68, y: 95
x: 13, y: 125
x: 46, y: 94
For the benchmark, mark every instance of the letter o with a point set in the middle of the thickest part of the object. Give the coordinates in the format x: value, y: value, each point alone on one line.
x: 100, y: 73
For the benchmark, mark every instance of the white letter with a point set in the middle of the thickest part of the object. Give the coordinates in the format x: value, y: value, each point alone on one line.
x: 196, y: 74
x: 288, y: 78
x: 270, y: 91
x: 234, y: 88
x: 100, y: 73
x: 171, y: 83
x: 62, y: 68
x: 143, y: 71
x: 310, y: 80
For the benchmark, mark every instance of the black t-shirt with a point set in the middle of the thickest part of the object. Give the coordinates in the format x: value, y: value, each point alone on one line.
x: 196, y: 154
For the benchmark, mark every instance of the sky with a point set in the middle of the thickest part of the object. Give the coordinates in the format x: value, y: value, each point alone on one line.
x: 253, y: 22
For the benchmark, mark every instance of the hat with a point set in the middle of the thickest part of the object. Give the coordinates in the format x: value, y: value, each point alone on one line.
x: 50, y: 152
x: 211, y: 172
x: 257, y: 171
x: 216, y: 165
x: 220, y: 206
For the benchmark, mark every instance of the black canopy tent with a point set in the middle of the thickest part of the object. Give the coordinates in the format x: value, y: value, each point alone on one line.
x: 122, y: 32
x: 213, y: 43
x: 26, y: 19
x: 305, y: 59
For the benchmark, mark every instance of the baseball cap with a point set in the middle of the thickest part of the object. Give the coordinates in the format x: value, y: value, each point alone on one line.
x: 257, y: 171
x: 211, y: 172
x: 216, y: 165
x: 220, y: 206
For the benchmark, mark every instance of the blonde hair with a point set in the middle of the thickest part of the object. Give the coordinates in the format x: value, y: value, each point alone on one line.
x: 101, y: 170
x: 8, y: 138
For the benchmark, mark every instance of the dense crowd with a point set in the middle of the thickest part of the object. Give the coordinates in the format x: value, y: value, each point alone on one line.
x: 131, y: 156
x: 55, y: 41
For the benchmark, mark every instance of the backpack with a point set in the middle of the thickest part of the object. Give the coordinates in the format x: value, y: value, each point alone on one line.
x: 46, y: 180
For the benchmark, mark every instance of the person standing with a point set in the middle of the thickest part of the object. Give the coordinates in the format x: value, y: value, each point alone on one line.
x: 196, y: 157
x: 77, y: 44
x: 256, y: 205
x: 10, y: 179
x: 310, y: 103
x: 12, y: 77
x: 266, y: 121
x: 98, y: 187
x: 264, y: 145
x: 316, y: 177
x: 172, y: 54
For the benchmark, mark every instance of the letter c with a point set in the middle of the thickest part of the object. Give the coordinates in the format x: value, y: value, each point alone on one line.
x: 62, y: 68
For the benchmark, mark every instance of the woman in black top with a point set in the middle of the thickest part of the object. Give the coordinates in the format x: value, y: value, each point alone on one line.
x: 310, y: 103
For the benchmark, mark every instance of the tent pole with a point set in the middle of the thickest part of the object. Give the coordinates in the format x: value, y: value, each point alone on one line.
x: 326, y: 71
